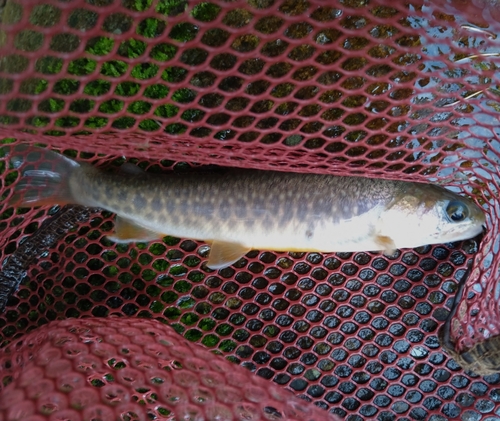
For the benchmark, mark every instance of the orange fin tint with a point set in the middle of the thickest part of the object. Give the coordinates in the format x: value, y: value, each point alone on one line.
x: 386, y: 244
x: 223, y: 254
x: 127, y: 231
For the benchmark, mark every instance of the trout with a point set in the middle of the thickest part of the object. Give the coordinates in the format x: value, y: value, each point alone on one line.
x: 237, y: 210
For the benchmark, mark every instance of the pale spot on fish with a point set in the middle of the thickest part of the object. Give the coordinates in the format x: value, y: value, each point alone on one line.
x: 122, y: 195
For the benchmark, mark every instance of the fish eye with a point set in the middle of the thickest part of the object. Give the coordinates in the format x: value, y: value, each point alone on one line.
x: 457, y: 211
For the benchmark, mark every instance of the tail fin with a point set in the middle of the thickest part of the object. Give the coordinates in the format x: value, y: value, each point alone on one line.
x: 44, y: 176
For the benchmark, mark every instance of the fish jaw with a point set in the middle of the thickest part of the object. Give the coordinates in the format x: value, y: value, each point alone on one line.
x: 412, y: 221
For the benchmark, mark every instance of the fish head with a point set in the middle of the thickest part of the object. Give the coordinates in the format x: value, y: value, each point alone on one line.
x: 428, y: 214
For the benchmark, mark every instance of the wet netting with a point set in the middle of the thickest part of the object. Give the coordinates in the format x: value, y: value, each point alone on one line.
x: 101, y: 331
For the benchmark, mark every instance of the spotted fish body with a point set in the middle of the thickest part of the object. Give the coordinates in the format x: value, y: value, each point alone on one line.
x: 240, y: 210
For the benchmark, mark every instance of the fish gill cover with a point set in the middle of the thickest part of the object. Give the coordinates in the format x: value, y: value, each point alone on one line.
x: 381, y: 89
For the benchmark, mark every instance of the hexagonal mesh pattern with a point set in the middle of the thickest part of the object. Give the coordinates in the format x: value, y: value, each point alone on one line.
x: 406, y: 91
x: 135, y: 370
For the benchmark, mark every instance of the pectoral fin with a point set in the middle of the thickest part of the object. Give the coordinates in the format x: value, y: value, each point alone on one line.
x: 223, y: 254
x: 127, y: 231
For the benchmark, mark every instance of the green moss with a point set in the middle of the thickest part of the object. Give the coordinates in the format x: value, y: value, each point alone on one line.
x: 125, y: 278
x: 127, y: 88
x: 169, y: 297
x: 145, y: 259
x: 178, y: 270
x: 183, y: 32
x: 38, y: 121
x: 139, y: 107
x: 111, y: 106
x: 174, y: 74
x: 123, y: 123
x: 96, y: 122
x: 8, y: 119
x: 82, y: 67
x: 224, y: 329
x: 100, y: 46
x: 192, y: 261
x: 175, y: 128
x: 227, y: 345
x: 157, y: 249
x: 156, y: 307
x: 207, y: 324
x: 182, y: 286
x: 196, y: 276
x: 210, y: 340
x: 82, y: 105
x: 163, y: 52
x: 137, y: 5
x: 97, y: 87
x: 164, y: 281
x: 184, y: 96
x: 156, y: 91
x: 144, y: 71
x: 114, y: 68
x: 49, y: 65
x: 67, y: 122
x: 149, y: 125
x: 66, y: 86
x: 148, y: 274
x: 33, y: 86
x: 51, y: 105
x: 166, y: 111
x: 172, y: 313
x: 132, y: 48
x: 171, y: 7
x: 206, y: 12
x: 151, y: 27
x: 186, y: 302
x: 189, y: 319
x: 160, y: 265
x: 45, y: 15
x: 193, y: 335
x: 193, y: 115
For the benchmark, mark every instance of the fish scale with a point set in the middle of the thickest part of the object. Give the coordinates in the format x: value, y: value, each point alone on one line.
x: 240, y: 210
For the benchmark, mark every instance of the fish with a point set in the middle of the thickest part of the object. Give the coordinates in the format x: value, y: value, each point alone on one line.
x: 239, y: 210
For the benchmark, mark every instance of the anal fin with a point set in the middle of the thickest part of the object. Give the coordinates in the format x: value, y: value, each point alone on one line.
x: 224, y: 254
x: 127, y: 231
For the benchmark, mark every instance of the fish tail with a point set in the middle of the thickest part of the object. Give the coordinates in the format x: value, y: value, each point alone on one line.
x: 44, y: 176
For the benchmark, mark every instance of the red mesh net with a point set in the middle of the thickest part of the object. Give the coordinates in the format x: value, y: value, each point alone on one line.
x: 400, y: 90
x: 133, y: 370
